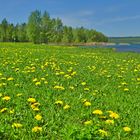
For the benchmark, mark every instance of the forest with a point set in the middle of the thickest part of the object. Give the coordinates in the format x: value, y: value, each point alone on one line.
x: 41, y: 28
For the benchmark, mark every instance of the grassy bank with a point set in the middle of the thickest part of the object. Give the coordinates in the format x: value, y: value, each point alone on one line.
x: 68, y: 93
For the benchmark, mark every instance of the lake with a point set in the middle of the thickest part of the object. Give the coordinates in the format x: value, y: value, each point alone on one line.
x: 125, y: 48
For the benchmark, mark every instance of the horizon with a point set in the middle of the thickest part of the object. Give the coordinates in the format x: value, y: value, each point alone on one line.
x: 114, y: 19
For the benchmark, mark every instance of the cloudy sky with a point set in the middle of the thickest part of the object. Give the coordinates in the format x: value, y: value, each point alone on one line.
x: 112, y: 17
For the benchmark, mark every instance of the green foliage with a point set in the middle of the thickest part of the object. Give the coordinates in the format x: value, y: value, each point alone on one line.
x: 41, y: 28
x: 131, y: 40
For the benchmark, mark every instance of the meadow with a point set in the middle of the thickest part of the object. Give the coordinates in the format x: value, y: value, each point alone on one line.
x: 68, y: 93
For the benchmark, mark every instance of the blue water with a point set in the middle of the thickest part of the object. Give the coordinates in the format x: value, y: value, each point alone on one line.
x: 126, y: 48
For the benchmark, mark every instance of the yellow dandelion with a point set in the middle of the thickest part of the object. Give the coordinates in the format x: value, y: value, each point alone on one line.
x: 126, y: 89
x: 86, y: 103
x: 109, y: 121
x: 59, y: 87
x: 35, y: 80
x: 19, y: 94
x: 31, y: 100
x: 114, y: 115
x: 97, y: 112
x: 0, y: 94
x: 86, y: 89
x: 127, y: 129
x: 36, y: 109
x: 83, y: 83
x: 38, y: 83
x: 3, y: 110
x: 71, y: 87
x: 59, y: 102
x: 103, y: 132
x: 66, y: 107
x: 10, y: 79
x: 88, y: 122
x: 37, y: 129
x: 46, y: 82
x: 16, y: 125
x: 11, y: 111
x: 38, y: 117
x: 6, y: 98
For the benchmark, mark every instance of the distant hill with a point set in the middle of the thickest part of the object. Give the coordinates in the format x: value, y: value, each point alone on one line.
x: 131, y: 40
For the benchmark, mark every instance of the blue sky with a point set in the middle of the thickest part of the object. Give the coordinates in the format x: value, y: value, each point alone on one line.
x: 112, y: 17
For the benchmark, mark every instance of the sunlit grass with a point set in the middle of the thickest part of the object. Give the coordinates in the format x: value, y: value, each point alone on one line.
x: 68, y: 93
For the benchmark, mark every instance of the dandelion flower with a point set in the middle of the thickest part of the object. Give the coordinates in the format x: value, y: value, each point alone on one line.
x: 16, y: 125
x: 37, y: 129
x: 38, y: 117
x: 97, y: 112
x: 87, y: 103
x: 59, y: 102
x: 38, y: 83
x: 103, y: 132
x: 66, y: 107
x: 83, y: 83
x: 6, y: 98
x: 3, y: 110
x: 114, y: 115
x: 10, y: 79
x: 127, y: 129
x: 109, y: 121
x: 88, y: 122
x: 31, y: 100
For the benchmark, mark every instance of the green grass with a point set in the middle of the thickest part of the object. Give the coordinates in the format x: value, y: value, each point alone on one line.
x: 101, y: 78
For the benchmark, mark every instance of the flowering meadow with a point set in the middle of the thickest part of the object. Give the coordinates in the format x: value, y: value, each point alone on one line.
x: 68, y: 93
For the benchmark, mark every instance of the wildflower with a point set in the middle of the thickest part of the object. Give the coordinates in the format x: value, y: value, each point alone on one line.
x: 127, y: 129
x: 124, y: 83
x: 126, y: 89
x: 109, y: 121
x: 73, y: 73
x: 31, y: 100
x: 88, y: 122
x: 19, y: 94
x: 103, y: 132
x: 114, y: 115
x: 10, y: 79
x: 6, y: 98
x: 59, y: 102
x: 46, y: 82
x: 71, y: 87
x: 86, y: 89
x: 62, y: 73
x: 36, y: 109
x: 38, y: 117
x: 87, y: 103
x: 35, y: 80
x: 38, y: 83
x: 0, y: 94
x: 3, y: 110
x: 83, y: 83
x: 97, y: 112
x: 16, y: 125
x: 37, y: 129
x: 66, y: 107
x: 43, y: 79
x: 59, y: 87
x: 11, y: 111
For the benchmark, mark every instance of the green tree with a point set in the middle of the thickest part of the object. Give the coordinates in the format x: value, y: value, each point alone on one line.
x: 34, y: 26
x: 4, y: 30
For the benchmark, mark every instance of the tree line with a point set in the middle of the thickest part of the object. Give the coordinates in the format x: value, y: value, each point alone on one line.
x: 41, y: 28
